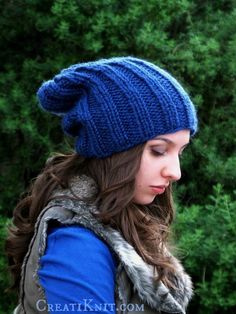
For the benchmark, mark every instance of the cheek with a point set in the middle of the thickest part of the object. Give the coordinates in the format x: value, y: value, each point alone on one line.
x: 144, y: 165
x: 143, y: 175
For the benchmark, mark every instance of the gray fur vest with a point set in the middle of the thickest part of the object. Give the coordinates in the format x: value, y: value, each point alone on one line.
x: 135, y: 290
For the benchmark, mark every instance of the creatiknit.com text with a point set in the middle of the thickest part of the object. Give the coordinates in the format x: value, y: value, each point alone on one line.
x: 87, y: 306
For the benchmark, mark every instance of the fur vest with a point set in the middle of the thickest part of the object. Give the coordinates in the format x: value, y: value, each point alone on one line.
x: 136, y: 291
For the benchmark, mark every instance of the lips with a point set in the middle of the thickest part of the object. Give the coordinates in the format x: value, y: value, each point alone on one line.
x: 159, y: 189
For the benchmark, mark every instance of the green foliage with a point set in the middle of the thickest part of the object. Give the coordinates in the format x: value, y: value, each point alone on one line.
x: 195, y: 40
x: 7, y: 300
x: 206, y: 236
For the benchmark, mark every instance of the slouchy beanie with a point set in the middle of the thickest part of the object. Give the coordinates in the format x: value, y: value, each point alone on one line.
x: 111, y: 105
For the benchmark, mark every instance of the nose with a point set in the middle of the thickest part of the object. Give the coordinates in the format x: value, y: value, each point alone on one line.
x: 172, y: 169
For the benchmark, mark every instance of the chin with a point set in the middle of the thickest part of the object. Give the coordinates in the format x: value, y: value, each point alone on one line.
x: 144, y: 201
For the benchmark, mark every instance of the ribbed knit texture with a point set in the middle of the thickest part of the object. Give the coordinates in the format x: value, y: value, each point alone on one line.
x: 114, y: 104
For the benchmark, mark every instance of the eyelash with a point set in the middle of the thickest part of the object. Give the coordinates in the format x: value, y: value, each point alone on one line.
x: 155, y: 153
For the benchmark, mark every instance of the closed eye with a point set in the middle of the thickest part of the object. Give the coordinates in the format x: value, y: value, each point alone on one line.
x: 158, y: 153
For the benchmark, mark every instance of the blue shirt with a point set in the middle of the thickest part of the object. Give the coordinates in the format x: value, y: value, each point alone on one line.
x: 77, y: 272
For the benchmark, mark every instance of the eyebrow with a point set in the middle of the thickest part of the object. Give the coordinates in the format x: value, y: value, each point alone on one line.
x: 168, y: 141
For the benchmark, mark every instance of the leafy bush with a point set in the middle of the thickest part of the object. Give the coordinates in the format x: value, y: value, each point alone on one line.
x: 8, y: 300
x: 206, y: 235
x: 195, y: 40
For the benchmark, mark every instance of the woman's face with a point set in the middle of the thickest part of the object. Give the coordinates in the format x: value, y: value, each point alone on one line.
x: 159, y: 165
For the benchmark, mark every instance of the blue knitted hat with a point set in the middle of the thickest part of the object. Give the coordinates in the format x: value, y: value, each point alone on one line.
x: 114, y: 104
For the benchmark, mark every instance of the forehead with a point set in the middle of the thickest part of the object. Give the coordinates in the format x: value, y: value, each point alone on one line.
x: 179, y: 137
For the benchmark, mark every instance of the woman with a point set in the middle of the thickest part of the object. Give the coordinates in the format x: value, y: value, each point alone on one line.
x: 93, y: 233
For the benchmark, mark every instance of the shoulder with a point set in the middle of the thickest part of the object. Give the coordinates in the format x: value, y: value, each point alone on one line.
x: 78, y: 241
x: 77, y: 265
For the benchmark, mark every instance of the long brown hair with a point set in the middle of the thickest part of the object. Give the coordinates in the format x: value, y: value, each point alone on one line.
x: 146, y: 228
